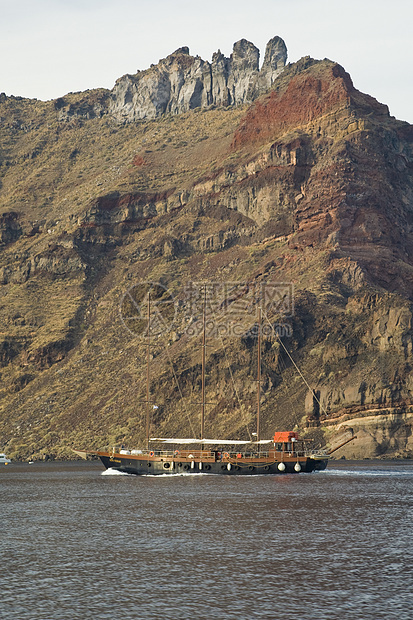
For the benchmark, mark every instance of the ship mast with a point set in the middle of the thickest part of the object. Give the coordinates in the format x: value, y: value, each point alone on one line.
x: 203, y: 366
x: 148, y: 355
x: 259, y: 376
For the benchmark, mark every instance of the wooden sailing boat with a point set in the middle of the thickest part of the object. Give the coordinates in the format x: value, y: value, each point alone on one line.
x: 285, y: 452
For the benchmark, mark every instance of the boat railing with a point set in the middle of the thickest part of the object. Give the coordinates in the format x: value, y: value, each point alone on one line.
x: 211, y: 455
x: 319, y: 454
x: 168, y: 454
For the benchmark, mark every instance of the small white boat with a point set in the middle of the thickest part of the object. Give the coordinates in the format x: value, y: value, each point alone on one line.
x: 4, y: 460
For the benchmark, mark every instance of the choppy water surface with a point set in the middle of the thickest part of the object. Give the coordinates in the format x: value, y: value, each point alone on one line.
x: 331, y: 545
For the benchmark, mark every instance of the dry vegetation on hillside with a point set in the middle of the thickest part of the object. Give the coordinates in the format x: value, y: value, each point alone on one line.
x: 319, y: 199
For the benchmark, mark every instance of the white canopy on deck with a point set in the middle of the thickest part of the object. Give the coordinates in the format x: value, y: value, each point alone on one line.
x: 225, y: 442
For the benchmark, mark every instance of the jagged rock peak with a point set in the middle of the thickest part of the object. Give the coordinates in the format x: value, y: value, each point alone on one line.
x: 181, y: 50
x: 274, y: 59
x: 181, y: 82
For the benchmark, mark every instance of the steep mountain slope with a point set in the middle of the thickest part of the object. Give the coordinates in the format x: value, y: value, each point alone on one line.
x: 305, y: 196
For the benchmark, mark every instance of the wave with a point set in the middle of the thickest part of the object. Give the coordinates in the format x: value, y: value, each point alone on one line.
x: 368, y: 472
x: 114, y: 472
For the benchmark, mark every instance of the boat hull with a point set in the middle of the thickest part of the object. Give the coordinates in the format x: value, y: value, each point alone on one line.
x: 155, y: 466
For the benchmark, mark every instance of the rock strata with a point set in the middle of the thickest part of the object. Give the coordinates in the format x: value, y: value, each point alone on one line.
x: 308, y: 190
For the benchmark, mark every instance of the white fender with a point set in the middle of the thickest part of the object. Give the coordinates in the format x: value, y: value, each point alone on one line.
x: 297, y: 467
x: 281, y: 466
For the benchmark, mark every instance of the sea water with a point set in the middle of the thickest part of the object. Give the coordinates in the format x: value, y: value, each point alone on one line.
x: 80, y: 543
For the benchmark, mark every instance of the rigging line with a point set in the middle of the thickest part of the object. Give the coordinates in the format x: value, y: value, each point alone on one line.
x: 180, y: 391
x: 296, y: 367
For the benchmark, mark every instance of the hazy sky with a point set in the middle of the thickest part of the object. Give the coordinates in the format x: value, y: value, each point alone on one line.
x: 51, y: 47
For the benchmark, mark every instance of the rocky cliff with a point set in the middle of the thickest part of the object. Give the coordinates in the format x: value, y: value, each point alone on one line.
x: 180, y: 82
x: 304, y: 199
